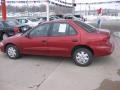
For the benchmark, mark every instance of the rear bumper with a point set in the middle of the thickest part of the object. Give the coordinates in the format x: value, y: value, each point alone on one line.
x: 104, y: 50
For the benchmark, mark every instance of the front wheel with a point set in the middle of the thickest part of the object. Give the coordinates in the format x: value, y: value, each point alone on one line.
x: 12, y: 52
x: 83, y: 57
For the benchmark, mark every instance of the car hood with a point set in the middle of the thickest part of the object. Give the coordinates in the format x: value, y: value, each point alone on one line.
x: 15, y: 36
x: 12, y: 38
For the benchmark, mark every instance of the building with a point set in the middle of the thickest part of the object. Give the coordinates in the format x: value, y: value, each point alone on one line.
x: 108, y: 12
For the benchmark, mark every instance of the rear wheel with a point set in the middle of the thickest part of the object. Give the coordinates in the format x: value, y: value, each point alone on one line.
x: 12, y: 52
x: 4, y: 36
x: 83, y: 57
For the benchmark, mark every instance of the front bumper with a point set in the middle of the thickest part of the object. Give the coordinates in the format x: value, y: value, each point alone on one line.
x: 1, y: 47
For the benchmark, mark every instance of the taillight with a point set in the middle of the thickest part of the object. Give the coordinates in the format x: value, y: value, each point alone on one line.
x: 103, y: 42
x: 16, y: 30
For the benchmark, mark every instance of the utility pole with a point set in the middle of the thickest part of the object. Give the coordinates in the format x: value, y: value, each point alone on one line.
x: 27, y: 9
x: 73, y: 5
x: 47, y: 9
x: 3, y: 4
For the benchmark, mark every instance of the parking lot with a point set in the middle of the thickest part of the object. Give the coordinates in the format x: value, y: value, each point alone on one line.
x: 57, y: 73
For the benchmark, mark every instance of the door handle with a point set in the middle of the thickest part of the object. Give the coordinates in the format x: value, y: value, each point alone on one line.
x: 74, y: 40
x: 44, y: 41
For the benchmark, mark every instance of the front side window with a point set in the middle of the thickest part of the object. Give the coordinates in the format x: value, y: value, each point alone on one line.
x: 59, y: 29
x: 41, y: 30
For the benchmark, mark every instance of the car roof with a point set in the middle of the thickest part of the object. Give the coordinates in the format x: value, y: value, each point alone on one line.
x: 59, y: 20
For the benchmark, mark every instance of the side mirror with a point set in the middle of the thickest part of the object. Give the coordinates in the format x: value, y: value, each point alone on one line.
x: 27, y: 35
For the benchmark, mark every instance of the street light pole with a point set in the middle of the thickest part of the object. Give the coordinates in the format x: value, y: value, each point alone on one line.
x: 73, y: 11
x: 27, y: 9
x: 3, y: 10
x: 47, y: 9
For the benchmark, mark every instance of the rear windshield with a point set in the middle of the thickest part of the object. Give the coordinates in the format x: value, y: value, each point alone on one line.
x: 87, y: 27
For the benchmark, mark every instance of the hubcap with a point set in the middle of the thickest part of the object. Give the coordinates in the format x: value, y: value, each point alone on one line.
x: 82, y: 57
x: 11, y: 52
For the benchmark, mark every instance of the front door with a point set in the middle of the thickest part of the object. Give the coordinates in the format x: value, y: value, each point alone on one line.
x: 36, y: 42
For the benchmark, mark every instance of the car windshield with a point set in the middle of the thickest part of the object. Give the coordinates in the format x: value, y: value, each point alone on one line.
x: 87, y: 27
x: 12, y: 23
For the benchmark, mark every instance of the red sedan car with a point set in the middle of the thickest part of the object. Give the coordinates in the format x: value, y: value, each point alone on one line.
x: 66, y: 38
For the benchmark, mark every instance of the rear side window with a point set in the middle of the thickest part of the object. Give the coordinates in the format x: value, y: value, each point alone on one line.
x: 59, y: 29
x: 71, y: 31
x: 87, y: 27
x: 63, y: 29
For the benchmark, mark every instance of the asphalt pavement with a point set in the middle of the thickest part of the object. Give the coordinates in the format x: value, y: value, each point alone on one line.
x: 57, y: 73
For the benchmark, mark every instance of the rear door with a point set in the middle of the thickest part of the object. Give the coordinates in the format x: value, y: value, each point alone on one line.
x: 62, y: 38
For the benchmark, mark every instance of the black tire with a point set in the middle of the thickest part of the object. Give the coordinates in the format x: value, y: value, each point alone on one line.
x: 84, y: 58
x: 15, y: 50
x: 4, y: 36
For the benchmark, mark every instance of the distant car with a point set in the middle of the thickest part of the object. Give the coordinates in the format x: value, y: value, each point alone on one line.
x: 66, y: 38
x: 53, y: 17
x: 11, y: 27
x: 43, y: 19
x: 60, y: 16
x: 32, y: 22
x: 68, y: 17
x: 81, y: 17
x: 74, y: 17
